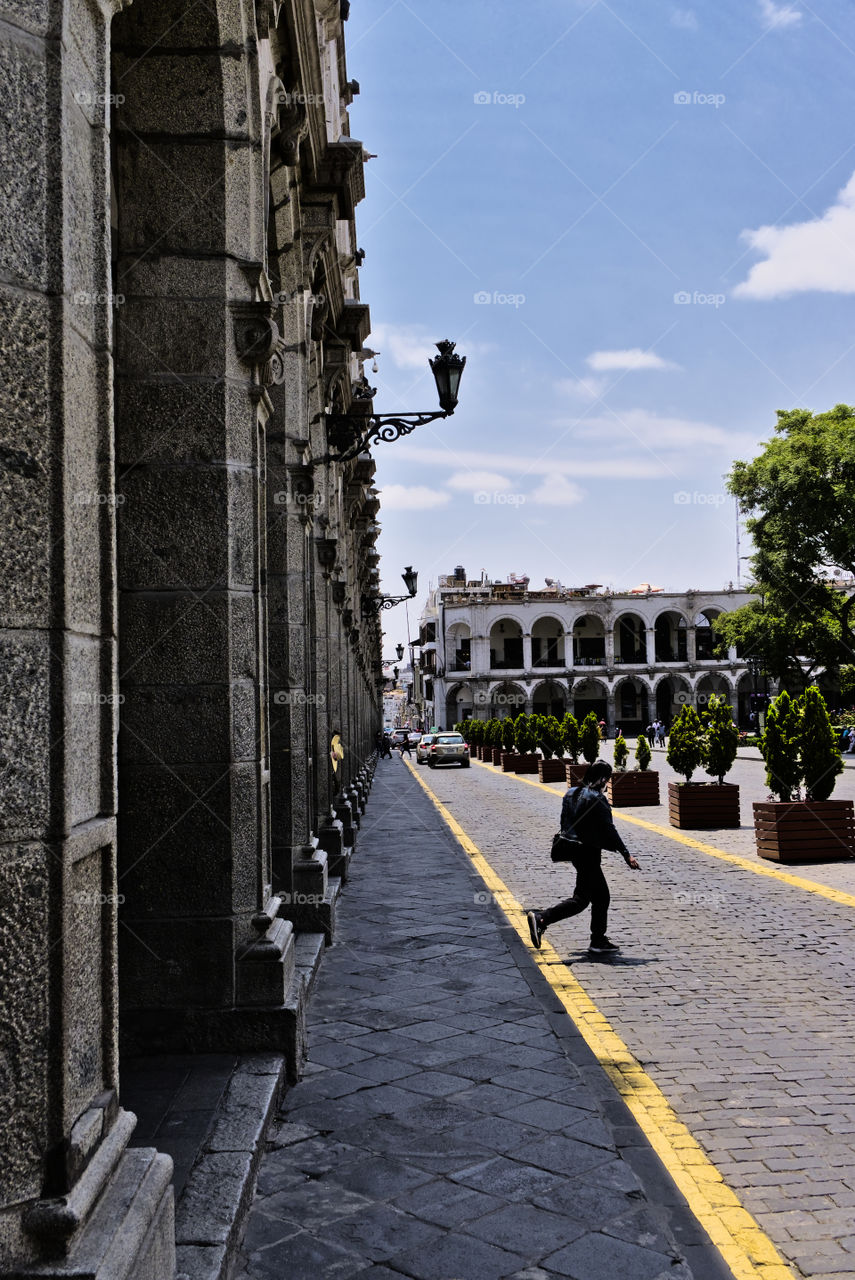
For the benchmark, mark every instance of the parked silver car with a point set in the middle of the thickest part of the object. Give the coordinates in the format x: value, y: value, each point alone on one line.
x: 449, y: 748
x: 426, y: 741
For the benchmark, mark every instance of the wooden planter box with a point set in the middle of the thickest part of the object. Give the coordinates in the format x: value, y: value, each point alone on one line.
x: 525, y: 763
x: 551, y: 770
x: 639, y: 786
x: 507, y: 761
x: 699, y: 805
x: 574, y: 773
x: 495, y: 756
x: 805, y: 830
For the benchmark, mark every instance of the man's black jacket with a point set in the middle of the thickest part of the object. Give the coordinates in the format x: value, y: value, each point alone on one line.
x: 587, y: 814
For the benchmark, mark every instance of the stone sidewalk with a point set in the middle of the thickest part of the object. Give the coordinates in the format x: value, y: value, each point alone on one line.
x: 452, y: 1124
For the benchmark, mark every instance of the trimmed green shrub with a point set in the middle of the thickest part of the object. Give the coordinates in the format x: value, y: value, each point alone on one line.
x: 642, y: 752
x: 549, y: 737
x: 524, y: 735
x: 621, y: 752
x: 508, y: 734
x: 685, y: 748
x: 570, y: 736
x: 589, y: 737
x: 779, y: 746
x: 721, y: 738
x: 818, y: 747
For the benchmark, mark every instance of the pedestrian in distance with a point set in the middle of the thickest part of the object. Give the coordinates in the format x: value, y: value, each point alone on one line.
x: 406, y: 745
x: 586, y: 816
x: 650, y: 733
x: 660, y: 733
x: 386, y: 747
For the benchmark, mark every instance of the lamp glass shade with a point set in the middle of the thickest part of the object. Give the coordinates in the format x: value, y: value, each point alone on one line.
x: 411, y: 579
x: 399, y: 649
x: 447, y: 369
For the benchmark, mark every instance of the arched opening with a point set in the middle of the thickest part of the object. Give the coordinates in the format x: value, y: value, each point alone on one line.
x: 589, y: 641
x: 709, y: 685
x: 672, y: 693
x: 631, y: 707
x: 549, y: 699
x: 458, y: 705
x: 547, y: 643
x: 506, y: 645
x: 744, y: 690
x: 630, y: 640
x: 590, y: 695
x: 670, y: 633
x: 458, y: 647
x: 706, y: 642
x: 507, y: 699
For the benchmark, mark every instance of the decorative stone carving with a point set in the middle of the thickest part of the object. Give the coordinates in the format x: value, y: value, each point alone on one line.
x: 259, y: 343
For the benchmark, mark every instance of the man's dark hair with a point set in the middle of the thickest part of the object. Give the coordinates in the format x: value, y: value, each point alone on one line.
x: 599, y: 772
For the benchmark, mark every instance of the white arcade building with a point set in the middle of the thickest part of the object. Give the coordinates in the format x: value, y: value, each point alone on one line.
x: 498, y: 648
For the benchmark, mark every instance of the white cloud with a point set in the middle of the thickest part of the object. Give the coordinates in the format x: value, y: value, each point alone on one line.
x: 686, y: 19
x: 557, y: 491
x: 779, y: 15
x: 659, y: 432
x: 633, y: 358
x: 407, y: 346
x: 814, y: 255
x: 472, y: 481
x: 553, y: 462
x: 584, y: 388
x: 417, y: 497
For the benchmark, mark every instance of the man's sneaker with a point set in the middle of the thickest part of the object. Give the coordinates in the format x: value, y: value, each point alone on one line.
x: 535, y: 927
x: 602, y: 947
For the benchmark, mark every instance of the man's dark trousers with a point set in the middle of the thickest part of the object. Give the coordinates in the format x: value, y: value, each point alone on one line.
x: 591, y: 890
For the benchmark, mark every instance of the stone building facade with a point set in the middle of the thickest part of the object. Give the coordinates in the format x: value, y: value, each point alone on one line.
x: 190, y: 656
x: 498, y: 648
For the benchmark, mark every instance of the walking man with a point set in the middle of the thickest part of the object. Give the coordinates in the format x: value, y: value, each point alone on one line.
x: 660, y: 733
x: 586, y: 814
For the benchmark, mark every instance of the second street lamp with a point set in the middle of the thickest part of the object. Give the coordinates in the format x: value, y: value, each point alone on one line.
x: 411, y: 582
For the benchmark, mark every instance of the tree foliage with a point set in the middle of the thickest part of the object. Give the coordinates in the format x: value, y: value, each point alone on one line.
x: 524, y: 734
x: 643, y: 753
x: 720, y: 740
x: 685, y: 747
x: 508, y: 733
x: 621, y: 752
x: 589, y: 737
x: 798, y: 492
x: 549, y: 737
x: 570, y: 736
x: 818, y: 748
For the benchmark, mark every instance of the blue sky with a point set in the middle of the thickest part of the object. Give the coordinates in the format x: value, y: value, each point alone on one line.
x: 638, y: 223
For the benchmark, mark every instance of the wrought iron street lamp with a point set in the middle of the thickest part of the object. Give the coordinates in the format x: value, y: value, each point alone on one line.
x: 399, y: 649
x: 411, y: 582
x: 447, y: 369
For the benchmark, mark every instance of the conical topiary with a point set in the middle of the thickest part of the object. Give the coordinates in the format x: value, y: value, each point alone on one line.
x: 621, y: 752
x: 570, y: 736
x: 779, y: 746
x: 685, y: 752
x: 818, y: 749
x: 508, y: 733
x: 589, y: 737
x: 549, y: 737
x: 720, y: 740
x: 643, y: 753
x: 524, y: 739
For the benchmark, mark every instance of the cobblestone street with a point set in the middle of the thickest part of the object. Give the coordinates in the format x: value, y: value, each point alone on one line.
x: 735, y: 992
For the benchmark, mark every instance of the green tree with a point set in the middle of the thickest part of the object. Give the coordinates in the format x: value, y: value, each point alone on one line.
x: 721, y: 738
x: 643, y: 753
x: 847, y: 685
x: 589, y: 737
x: 508, y: 734
x: 798, y: 493
x: 524, y: 737
x: 476, y: 732
x: 570, y: 736
x: 549, y: 737
x: 818, y: 748
x: 685, y: 750
x: 621, y: 752
x: 779, y: 746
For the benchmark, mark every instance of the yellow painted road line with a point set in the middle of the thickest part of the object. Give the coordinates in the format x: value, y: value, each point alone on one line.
x: 759, y: 868
x: 745, y: 1247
